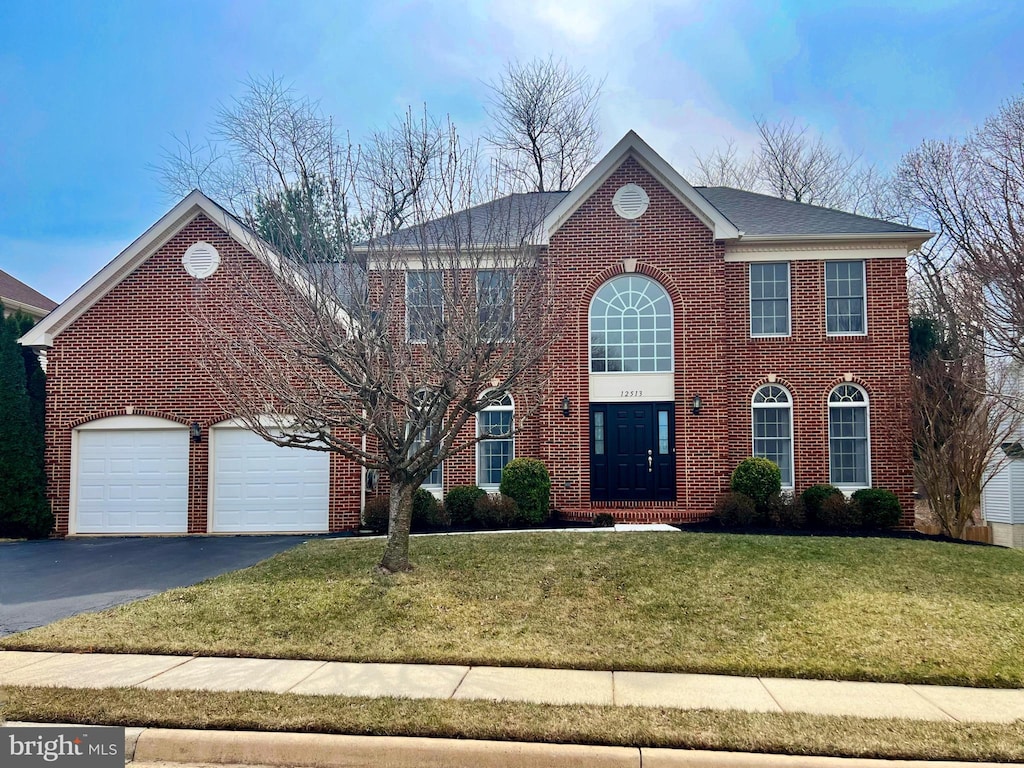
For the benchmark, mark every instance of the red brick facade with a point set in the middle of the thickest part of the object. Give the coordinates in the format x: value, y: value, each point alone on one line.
x: 137, y: 350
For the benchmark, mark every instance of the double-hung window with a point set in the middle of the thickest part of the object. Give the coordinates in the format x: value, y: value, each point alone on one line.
x: 849, y: 465
x: 769, y: 299
x: 424, y: 305
x: 844, y: 298
x: 772, y: 421
x: 422, y: 439
x: 494, y: 301
x: 497, y: 443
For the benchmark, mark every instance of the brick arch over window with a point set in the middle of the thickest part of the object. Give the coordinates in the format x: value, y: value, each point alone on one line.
x: 631, y: 318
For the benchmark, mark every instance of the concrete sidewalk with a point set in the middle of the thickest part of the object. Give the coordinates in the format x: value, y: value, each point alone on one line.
x: 547, y: 686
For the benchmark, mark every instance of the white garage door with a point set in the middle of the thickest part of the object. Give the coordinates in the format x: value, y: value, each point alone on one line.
x: 259, y: 486
x: 132, y: 481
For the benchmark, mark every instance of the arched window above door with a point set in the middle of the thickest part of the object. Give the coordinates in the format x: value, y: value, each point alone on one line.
x: 631, y: 327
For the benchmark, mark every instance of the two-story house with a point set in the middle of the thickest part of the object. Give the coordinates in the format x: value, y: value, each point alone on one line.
x: 700, y: 326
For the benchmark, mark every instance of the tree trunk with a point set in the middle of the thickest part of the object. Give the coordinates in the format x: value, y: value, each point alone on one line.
x: 396, y: 555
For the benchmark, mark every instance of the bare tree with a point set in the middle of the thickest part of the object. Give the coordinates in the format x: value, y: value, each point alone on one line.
x: 971, y: 190
x: 794, y: 164
x: 544, y: 117
x: 958, y: 427
x: 389, y: 365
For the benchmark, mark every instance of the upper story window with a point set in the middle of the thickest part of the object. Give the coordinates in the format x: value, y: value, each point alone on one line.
x: 494, y: 301
x: 769, y: 299
x: 497, y: 443
x: 631, y: 327
x: 848, y: 437
x: 844, y: 298
x: 424, y: 305
x: 772, y: 422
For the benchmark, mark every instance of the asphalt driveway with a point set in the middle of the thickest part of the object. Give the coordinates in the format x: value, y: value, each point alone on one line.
x: 42, y: 581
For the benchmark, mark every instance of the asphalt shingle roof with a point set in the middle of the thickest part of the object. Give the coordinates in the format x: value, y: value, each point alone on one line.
x: 757, y: 214
x: 507, y: 220
x: 15, y: 290
x: 514, y: 218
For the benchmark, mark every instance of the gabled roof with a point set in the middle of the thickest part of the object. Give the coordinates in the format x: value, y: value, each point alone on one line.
x: 14, y: 294
x: 764, y: 216
x: 194, y: 204
x: 632, y: 145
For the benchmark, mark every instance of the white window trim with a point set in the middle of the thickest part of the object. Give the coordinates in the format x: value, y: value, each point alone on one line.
x: 494, y: 487
x: 864, y: 300
x: 848, y: 488
x: 408, y: 338
x: 434, y: 488
x: 789, y: 302
x: 792, y: 429
x: 511, y: 297
x: 671, y: 333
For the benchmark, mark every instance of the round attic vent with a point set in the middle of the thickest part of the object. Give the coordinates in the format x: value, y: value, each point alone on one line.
x: 630, y: 201
x: 201, y: 260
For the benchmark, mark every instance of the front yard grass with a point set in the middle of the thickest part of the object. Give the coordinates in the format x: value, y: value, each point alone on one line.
x: 843, y: 608
x: 792, y: 734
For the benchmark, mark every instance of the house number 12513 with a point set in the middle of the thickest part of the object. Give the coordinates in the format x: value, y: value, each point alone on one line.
x: 632, y: 393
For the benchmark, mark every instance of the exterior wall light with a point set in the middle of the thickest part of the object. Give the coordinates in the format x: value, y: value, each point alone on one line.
x: 565, y: 405
x: 697, y: 405
x: 195, y: 432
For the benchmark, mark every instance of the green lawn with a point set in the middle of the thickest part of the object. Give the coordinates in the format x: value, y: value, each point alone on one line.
x: 793, y: 734
x: 861, y: 609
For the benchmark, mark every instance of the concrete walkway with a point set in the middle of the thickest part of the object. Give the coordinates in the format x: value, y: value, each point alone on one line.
x: 548, y: 686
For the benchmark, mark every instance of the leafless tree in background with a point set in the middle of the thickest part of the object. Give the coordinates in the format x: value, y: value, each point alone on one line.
x: 544, y: 116
x: 381, y: 348
x: 794, y: 164
x: 971, y: 191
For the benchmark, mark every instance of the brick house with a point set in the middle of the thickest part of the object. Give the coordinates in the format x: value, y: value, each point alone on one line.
x: 701, y: 325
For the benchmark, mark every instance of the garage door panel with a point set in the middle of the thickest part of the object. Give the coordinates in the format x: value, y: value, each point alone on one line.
x: 132, y: 481
x: 258, y: 486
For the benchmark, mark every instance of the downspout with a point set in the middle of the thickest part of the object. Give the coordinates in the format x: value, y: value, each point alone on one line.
x: 362, y: 480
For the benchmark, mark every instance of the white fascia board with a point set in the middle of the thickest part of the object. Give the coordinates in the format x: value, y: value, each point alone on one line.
x: 912, y: 240
x: 19, y: 306
x: 632, y: 144
x: 43, y: 333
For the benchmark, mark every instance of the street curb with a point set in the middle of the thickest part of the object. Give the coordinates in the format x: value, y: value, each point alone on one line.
x: 313, y: 750
x: 317, y: 750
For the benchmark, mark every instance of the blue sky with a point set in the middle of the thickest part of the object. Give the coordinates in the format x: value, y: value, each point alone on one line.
x: 91, y: 92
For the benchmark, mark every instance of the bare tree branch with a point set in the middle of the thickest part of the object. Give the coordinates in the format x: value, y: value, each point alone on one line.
x: 544, y: 129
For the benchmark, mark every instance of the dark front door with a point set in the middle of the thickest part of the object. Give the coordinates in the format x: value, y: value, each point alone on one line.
x: 632, y: 452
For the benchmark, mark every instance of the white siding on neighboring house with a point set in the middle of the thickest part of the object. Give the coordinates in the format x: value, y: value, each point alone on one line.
x: 995, y: 498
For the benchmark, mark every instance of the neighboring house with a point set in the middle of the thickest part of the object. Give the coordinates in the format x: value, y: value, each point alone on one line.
x: 15, y: 296
x: 1002, y: 498
x: 703, y: 325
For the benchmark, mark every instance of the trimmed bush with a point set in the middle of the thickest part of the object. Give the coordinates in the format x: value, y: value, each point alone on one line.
x: 786, y: 511
x: 528, y: 483
x: 496, y: 511
x: 459, y: 504
x: 427, y: 512
x: 838, y: 513
x: 735, y: 510
x: 814, y: 497
x: 604, y: 520
x: 758, y: 479
x: 879, y: 508
x: 375, y: 515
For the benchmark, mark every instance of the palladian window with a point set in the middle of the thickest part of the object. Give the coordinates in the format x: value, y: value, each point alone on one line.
x: 631, y: 327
